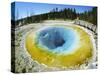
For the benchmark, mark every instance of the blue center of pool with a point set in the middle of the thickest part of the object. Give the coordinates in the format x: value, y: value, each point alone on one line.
x: 58, y: 39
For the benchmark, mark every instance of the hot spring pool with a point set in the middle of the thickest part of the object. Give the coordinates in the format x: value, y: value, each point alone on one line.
x: 59, y: 46
x: 58, y: 39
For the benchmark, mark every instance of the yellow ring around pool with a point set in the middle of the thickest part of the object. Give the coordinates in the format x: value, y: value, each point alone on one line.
x: 82, y: 53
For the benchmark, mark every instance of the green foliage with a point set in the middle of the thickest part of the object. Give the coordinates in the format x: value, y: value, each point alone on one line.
x: 67, y: 13
x: 52, y: 15
x: 90, y: 16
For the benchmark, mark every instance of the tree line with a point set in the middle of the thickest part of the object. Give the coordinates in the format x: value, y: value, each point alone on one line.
x: 67, y: 13
x: 90, y: 16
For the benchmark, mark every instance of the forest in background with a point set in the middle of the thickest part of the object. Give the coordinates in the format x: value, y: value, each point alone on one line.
x: 54, y: 14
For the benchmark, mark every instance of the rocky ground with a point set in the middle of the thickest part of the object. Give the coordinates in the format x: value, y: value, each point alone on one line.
x: 23, y: 61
